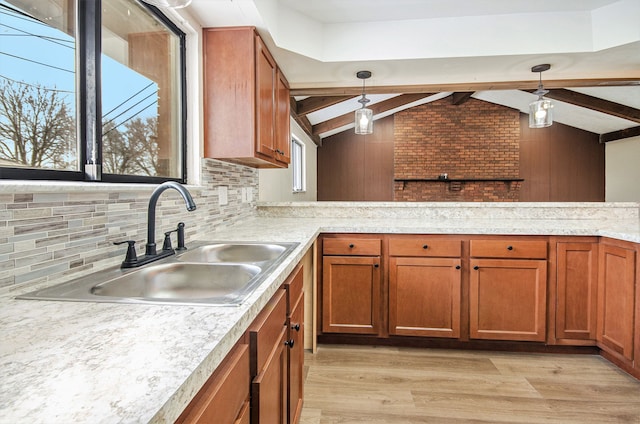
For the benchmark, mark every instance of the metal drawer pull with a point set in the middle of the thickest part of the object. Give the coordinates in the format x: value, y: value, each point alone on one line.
x: 351, y: 246
x: 289, y: 343
x: 295, y: 327
x: 476, y: 267
x: 426, y: 246
x: 509, y: 247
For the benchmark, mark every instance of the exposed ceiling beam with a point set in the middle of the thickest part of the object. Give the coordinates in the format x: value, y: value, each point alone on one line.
x: 619, y: 135
x: 459, y: 98
x: 477, y: 86
x: 595, y: 103
x: 377, y: 108
x: 304, y: 123
x: 313, y: 104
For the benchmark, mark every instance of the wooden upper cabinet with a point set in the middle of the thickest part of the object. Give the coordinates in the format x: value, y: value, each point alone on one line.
x: 244, y: 96
x: 266, y: 107
x: 283, y: 111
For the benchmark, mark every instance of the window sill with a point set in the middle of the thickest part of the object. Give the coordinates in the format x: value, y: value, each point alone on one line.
x: 28, y: 186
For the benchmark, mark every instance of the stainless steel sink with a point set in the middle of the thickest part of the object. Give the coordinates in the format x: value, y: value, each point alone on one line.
x: 181, y: 281
x: 211, y: 273
x: 234, y: 252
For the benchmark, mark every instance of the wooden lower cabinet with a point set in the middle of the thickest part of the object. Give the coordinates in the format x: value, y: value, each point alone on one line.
x: 616, y: 300
x: 576, y: 290
x: 295, y: 329
x: 507, y: 299
x: 269, y: 387
x: 424, y: 297
x: 224, y: 398
x: 351, y: 294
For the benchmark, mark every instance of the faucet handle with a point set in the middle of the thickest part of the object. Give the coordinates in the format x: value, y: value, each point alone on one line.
x: 166, y: 245
x: 131, y: 258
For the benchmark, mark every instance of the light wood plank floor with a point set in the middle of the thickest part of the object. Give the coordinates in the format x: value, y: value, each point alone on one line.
x: 356, y: 384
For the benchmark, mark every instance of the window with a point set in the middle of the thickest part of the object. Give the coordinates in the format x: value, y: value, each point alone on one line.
x: 297, y: 165
x: 91, y: 90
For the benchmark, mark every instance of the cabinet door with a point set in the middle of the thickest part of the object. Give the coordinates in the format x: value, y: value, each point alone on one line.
x: 269, y: 388
x: 577, y: 288
x: 225, y: 397
x: 295, y: 324
x: 616, y: 300
x: 507, y: 299
x: 283, y: 132
x: 351, y: 294
x: 265, y: 97
x: 424, y: 297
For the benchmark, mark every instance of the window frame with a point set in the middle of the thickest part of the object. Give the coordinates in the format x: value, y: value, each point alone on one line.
x: 300, y: 169
x: 89, y: 104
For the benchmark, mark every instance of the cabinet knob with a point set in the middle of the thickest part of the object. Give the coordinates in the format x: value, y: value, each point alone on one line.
x: 289, y: 343
x: 509, y: 247
x: 425, y: 246
x: 351, y: 246
x: 476, y: 267
x: 458, y: 267
x: 295, y: 327
x: 376, y: 265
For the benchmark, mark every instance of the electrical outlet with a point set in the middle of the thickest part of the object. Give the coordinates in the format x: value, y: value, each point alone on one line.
x: 249, y: 194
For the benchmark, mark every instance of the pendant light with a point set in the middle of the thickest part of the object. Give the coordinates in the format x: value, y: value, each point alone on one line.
x: 364, y: 115
x: 171, y: 4
x: 540, y: 115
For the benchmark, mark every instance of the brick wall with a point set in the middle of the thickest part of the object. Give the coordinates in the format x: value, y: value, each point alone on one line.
x: 474, y: 140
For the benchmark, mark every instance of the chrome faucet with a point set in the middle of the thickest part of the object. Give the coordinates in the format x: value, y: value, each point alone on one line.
x: 150, y: 247
x: 150, y: 254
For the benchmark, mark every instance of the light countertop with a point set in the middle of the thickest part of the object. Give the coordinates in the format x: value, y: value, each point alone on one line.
x: 82, y: 362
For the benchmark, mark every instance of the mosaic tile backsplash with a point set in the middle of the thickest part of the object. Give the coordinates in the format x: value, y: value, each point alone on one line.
x: 51, y: 235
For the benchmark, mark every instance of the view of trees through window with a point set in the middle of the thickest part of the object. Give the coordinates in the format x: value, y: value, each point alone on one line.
x: 140, y: 89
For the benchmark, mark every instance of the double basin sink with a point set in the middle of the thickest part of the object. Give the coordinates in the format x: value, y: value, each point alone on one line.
x: 211, y: 273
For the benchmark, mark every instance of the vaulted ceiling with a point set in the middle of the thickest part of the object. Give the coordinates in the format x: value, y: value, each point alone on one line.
x: 423, y: 50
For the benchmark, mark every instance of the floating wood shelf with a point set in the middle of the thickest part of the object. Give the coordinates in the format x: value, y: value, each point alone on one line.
x: 448, y: 180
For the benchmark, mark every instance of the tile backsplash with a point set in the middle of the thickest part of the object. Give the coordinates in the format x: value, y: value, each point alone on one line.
x: 53, y: 232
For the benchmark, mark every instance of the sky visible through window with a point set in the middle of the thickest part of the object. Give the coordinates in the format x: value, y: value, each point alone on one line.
x: 35, y: 53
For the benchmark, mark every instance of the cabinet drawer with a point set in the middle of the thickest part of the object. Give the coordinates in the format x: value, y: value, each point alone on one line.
x: 520, y: 249
x: 265, y: 331
x: 351, y: 246
x: 424, y: 246
x: 224, y: 398
x: 293, y: 286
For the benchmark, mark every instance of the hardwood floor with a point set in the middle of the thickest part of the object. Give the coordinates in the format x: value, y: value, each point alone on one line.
x: 357, y: 384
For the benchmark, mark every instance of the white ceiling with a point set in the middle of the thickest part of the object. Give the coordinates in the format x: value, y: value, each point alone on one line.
x: 323, y: 43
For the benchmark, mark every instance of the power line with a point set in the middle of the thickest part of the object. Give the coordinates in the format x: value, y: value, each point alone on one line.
x: 37, y: 86
x: 19, y: 14
x: 129, y: 118
x: 126, y: 100
x: 131, y: 107
x: 43, y: 37
x: 36, y: 62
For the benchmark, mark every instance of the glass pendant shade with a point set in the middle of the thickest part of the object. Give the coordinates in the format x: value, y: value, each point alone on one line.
x: 172, y: 4
x: 540, y: 113
x: 364, y: 121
